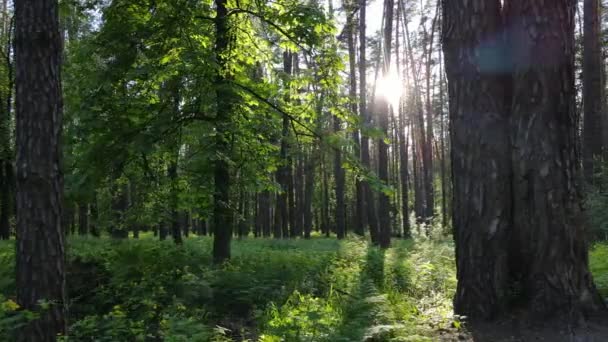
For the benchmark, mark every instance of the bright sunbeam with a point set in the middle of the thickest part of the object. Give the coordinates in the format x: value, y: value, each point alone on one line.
x: 389, y: 87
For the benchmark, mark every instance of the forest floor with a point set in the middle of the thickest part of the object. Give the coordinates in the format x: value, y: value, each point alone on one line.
x: 272, y: 290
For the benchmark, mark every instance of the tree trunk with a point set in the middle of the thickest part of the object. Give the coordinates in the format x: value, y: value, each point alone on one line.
x: 309, y: 192
x: 444, y: 208
x: 384, y: 109
x: 222, y: 214
x: 369, y: 215
x: 6, y: 171
x: 83, y: 218
x: 40, y: 252
x: 593, y: 89
x: 94, y: 218
x: 549, y: 244
x: 429, y: 189
x: 480, y: 156
x: 519, y: 234
x: 339, y: 186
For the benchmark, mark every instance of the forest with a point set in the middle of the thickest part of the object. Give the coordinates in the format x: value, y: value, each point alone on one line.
x: 303, y: 170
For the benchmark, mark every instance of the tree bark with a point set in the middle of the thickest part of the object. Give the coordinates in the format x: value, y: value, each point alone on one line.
x: 384, y: 109
x: 549, y: 244
x: 40, y: 252
x: 518, y: 226
x: 222, y: 213
x: 480, y: 155
x: 594, y: 122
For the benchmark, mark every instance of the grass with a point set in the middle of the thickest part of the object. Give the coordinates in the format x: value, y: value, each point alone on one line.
x: 272, y: 290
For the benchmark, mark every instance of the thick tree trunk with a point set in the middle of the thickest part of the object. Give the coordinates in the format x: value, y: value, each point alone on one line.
x: 549, y: 244
x: 518, y: 227
x: 480, y: 155
x: 593, y: 89
x: 40, y: 252
x: 222, y: 214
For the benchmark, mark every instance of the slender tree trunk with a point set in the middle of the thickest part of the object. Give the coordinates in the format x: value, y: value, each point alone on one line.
x: 369, y: 215
x: 429, y: 188
x: 593, y: 89
x: 383, y: 121
x: 444, y: 208
x: 83, y: 218
x: 339, y: 185
x: 40, y: 252
x: 94, y: 218
x: 173, y: 201
x: 222, y: 213
x: 6, y: 171
x: 309, y: 192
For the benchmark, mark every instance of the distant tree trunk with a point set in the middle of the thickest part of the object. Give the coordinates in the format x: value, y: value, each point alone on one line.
x: 351, y: 30
x: 418, y: 182
x: 368, y: 216
x: 423, y: 174
x: 339, y: 185
x: 186, y: 223
x: 222, y: 214
x: 593, y: 89
x: 325, y: 225
x: 173, y: 201
x: 444, y: 187
x: 299, y: 196
x: 162, y: 231
x: 404, y: 173
x: 309, y: 187
x: 383, y: 121
x: 94, y: 218
x: 428, y: 151
x: 40, y: 246
x: 6, y: 156
x: 83, y: 218
x: 6, y: 171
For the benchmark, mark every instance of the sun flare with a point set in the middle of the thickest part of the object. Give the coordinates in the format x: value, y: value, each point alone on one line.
x: 389, y: 87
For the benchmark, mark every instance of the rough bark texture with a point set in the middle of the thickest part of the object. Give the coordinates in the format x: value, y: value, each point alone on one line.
x: 549, y: 242
x: 519, y: 232
x: 593, y: 89
x: 222, y: 214
x: 40, y: 254
x: 480, y: 154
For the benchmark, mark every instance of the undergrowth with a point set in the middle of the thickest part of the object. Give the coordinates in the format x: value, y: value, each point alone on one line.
x: 272, y: 290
